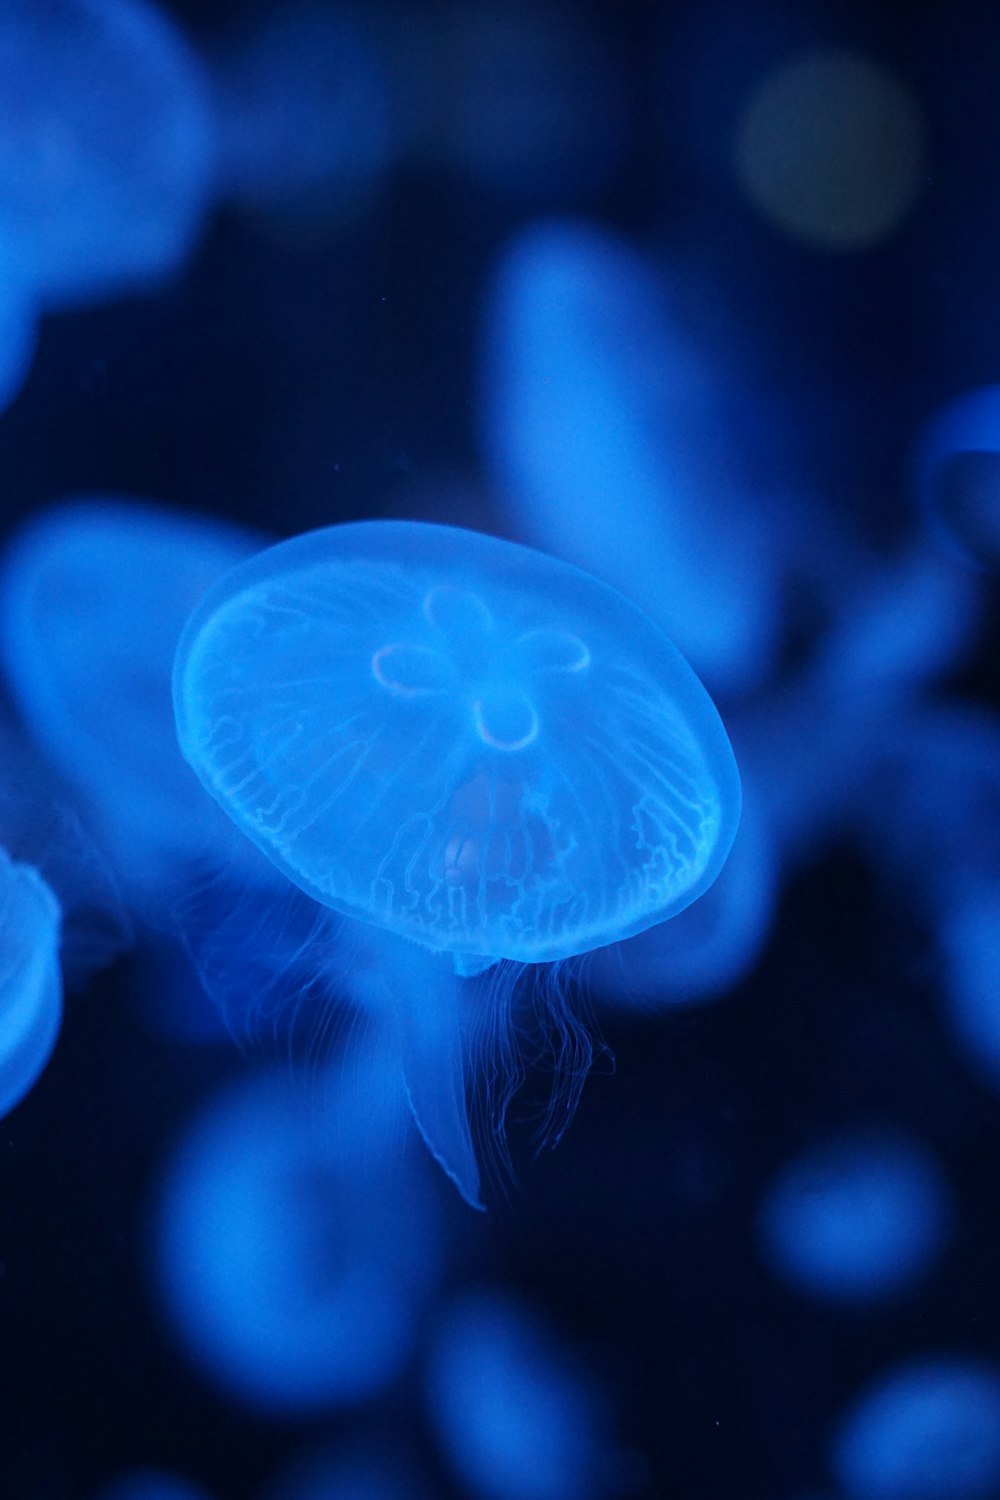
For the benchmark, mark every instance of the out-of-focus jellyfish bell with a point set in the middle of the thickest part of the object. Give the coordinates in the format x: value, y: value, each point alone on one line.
x: 297, y: 1242
x: 830, y: 148
x: 40, y: 826
x: 604, y: 428
x: 528, y: 101
x: 958, y: 477
x: 929, y: 815
x: 857, y: 1218
x: 969, y: 938
x: 303, y: 112
x: 516, y: 1417
x: 926, y: 1430
x: 17, y: 324
x: 94, y: 595
x: 466, y: 742
x: 105, y: 146
x: 151, y: 1484
x: 30, y: 979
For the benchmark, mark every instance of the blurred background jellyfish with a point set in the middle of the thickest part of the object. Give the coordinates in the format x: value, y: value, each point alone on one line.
x: 463, y: 742
x: 30, y: 979
x: 297, y: 1242
x: 527, y: 101
x: 602, y: 422
x: 958, y: 477
x: 969, y: 938
x: 41, y: 826
x: 304, y: 117
x: 517, y: 1416
x: 18, y: 317
x: 928, y: 814
x: 925, y: 1430
x: 95, y: 592
x: 105, y: 146
x: 830, y: 148
x: 151, y: 1484
x: 856, y: 1218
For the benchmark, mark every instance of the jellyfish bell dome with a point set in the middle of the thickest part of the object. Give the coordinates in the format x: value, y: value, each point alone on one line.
x: 106, y: 145
x: 459, y: 739
x: 95, y: 592
x: 30, y: 981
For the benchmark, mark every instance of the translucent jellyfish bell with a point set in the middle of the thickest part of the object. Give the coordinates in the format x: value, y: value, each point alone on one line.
x: 925, y: 1430
x: 297, y: 1243
x: 603, y: 422
x: 857, y: 1218
x: 105, y: 145
x: 95, y: 592
x: 30, y: 979
x: 18, y: 318
x: 466, y: 742
x: 958, y: 477
x: 515, y: 1414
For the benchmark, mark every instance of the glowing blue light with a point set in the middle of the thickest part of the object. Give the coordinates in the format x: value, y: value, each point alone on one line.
x: 94, y: 594
x: 969, y: 935
x: 30, y: 980
x: 535, y: 103
x: 516, y: 1418
x: 859, y: 1217
x: 297, y: 1243
x: 41, y: 827
x: 17, y: 325
x: 610, y: 445
x: 929, y: 814
x: 303, y: 111
x: 459, y: 739
x: 929, y: 1430
x: 710, y: 946
x: 105, y: 145
x: 958, y: 477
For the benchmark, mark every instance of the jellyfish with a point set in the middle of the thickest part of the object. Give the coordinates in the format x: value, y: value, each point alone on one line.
x: 296, y: 1243
x: 41, y: 826
x: 856, y: 1218
x: 710, y: 946
x: 517, y: 1415
x: 18, y: 320
x: 95, y: 592
x: 105, y: 146
x: 303, y: 113
x: 958, y: 477
x: 535, y: 100
x: 928, y: 1429
x: 476, y: 749
x: 612, y: 448
x: 968, y: 934
x: 30, y: 979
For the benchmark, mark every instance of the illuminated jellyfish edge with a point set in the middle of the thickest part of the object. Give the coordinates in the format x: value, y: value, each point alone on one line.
x: 373, y: 541
x: 66, y: 525
x: 32, y: 1047
x: 969, y: 423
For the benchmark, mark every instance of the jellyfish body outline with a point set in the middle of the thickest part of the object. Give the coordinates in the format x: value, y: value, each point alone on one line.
x: 269, y: 593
